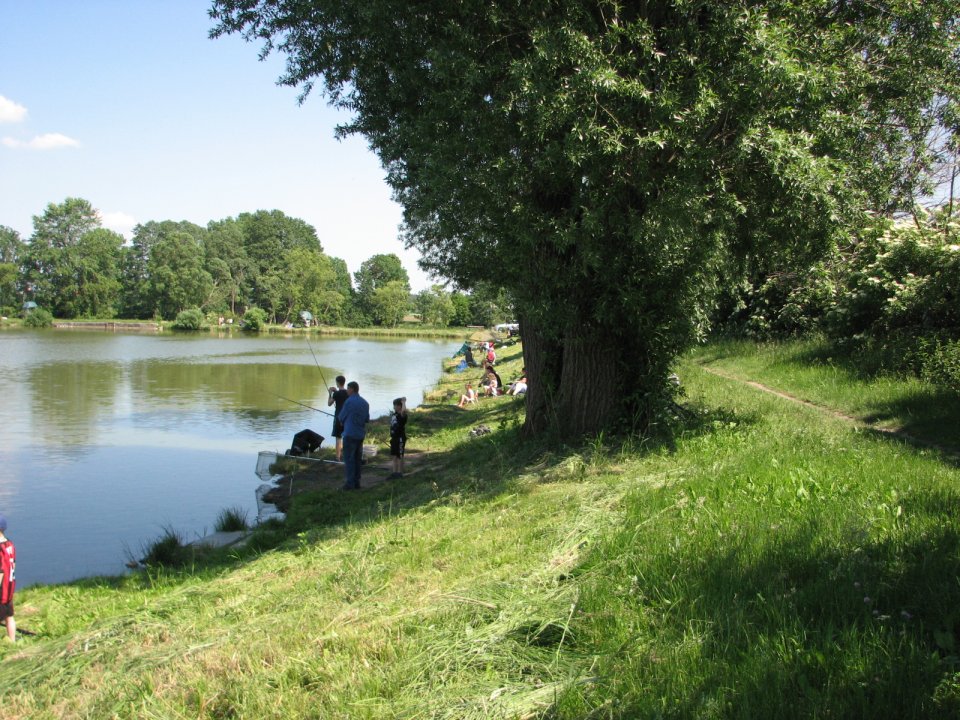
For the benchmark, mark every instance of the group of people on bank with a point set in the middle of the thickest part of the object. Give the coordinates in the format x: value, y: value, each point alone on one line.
x: 350, y: 418
x: 490, y: 384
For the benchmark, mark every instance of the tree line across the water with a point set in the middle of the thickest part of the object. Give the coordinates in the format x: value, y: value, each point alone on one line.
x: 72, y: 267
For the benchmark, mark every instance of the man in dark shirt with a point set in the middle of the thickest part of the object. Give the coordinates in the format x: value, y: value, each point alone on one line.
x: 338, y: 395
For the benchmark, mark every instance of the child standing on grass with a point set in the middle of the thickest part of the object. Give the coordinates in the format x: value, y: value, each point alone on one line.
x: 8, y: 580
x: 398, y: 436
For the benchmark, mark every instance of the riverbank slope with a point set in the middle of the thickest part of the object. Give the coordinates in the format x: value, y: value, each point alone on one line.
x: 761, y: 550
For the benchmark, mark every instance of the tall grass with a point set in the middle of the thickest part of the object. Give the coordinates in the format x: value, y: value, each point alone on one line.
x: 232, y: 519
x: 795, y: 568
x: 809, y: 370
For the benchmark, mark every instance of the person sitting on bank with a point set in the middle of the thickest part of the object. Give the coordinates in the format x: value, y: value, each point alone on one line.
x: 519, y: 387
x: 469, y: 396
x: 492, y: 382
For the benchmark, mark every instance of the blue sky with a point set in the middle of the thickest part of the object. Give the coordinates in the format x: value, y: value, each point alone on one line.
x: 128, y: 104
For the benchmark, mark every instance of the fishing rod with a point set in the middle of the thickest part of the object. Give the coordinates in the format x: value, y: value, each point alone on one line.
x: 309, y: 407
x: 317, y: 362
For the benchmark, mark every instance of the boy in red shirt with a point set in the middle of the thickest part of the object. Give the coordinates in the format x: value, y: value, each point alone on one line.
x: 8, y: 580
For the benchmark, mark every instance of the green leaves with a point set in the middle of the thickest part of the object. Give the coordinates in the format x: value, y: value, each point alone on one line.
x: 612, y: 165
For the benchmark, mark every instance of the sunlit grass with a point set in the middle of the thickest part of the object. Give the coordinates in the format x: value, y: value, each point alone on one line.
x: 808, y: 370
x: 773, y: 561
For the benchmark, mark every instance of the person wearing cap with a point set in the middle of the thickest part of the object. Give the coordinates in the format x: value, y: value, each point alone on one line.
x: 8, y: 580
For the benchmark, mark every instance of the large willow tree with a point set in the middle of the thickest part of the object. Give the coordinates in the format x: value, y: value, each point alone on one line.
x: 611, y: 163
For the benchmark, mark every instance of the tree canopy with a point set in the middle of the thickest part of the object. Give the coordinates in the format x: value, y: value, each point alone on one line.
x: 611, y: 164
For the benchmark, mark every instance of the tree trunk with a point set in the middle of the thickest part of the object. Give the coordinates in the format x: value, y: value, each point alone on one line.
x: 537, y: 362
x: 589, y: 387
x: 573, y: 383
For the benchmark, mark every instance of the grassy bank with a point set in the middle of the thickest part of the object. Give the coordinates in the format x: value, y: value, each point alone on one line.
x: 810, y: 371
x: 767, y: 560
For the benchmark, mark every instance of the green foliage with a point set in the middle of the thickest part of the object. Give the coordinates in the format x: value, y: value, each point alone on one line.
x: 163, y: 269
x: 254, y: 319
x: 263, y: 259
x: 232, y: 519
x: 434, y: 306
x: 176, y: 278
x: 389, y: 303
x: 229, y: 265
x: 781, y: 304
x: 612, y: 166
x: 461, y: 309
x: 941, y: 365
x: 71, y: 264
x: 906, y: 279
x: 890, y: 300
x: 38, y: 318
x: 11, y: 249
x: 191, y: 319
x: 306, y: 283
x: 374, y: 276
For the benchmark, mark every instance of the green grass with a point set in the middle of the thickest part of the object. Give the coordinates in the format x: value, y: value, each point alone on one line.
x: 771, y: 560
x: 169, y: 550
x: 232, y: 519
x: 807, y: 369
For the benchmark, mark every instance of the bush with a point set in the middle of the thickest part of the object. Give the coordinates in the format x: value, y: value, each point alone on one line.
x: 38, y: 318
x: 907, y: 279
x: 942, y: 366
x: 168, y: 550
x: 191, y: 319
x: 232, y: 519
x: 254, y: 319
x: 791, y: 304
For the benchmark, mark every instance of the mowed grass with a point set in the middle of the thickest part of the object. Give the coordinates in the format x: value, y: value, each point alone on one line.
x: 767, y: 560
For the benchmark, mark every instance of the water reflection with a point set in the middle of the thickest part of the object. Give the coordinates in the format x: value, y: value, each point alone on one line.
x: 68, y: 398
x: 106, y: 438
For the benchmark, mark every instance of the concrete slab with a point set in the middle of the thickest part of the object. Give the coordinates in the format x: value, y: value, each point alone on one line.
x: 221, y: 539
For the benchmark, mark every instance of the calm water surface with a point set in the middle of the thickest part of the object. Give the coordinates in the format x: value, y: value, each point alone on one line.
x: 107, y: 439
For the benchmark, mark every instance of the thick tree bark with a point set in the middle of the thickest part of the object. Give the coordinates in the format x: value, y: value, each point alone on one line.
x: 574, y: 385
x: 589, y: 386
x: 540, y: 369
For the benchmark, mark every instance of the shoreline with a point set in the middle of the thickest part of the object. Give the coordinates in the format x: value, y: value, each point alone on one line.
x: 166, y: 326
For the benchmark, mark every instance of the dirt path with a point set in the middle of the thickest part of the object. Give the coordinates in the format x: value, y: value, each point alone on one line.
x: 950, y: 452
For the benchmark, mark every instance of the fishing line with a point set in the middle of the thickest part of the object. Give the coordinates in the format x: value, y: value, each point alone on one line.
x: 309, y: 407
x: 317, y: 362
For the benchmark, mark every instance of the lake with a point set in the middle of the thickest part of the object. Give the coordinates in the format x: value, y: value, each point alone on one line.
x: 107, y: 439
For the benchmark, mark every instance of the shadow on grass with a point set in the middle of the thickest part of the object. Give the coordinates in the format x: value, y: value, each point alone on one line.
x: 929, y: 416
x: 477, y: 467
x: 786, y: 624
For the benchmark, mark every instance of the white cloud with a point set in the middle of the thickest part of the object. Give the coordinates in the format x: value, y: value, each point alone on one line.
x: 48, y: 141
x: 11, y: 111
x: 119, y: 222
